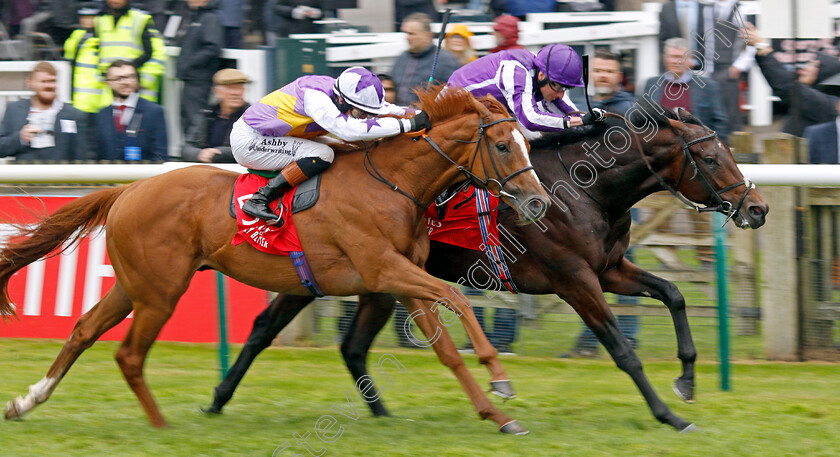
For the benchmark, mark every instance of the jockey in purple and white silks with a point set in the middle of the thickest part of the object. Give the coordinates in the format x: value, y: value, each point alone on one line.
x: 533, y: 87
x: 281, y: 131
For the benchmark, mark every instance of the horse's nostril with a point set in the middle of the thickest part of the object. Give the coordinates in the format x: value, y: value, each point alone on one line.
x: 756, y: 211
x: 536, y: 208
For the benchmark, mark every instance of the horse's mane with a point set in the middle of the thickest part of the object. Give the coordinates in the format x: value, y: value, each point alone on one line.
x: 442, y: 104
x: 575, y: 135
x: 642, y: 112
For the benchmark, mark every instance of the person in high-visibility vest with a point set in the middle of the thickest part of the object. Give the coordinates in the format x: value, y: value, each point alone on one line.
x: 89, y: 92
x: 128, y: 34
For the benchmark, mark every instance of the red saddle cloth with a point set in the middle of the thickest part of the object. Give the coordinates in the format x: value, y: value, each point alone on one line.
x: 460, y: 225
x: 266, y: 238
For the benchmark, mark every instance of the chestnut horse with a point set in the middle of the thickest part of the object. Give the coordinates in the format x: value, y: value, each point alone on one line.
x: 360, y: 238
x: 577, y: 251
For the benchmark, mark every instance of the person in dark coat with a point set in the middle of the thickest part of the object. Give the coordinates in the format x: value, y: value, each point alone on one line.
x: 413, y: 67
x: 295, y: 16
x: 679, y: 18
x: 822, y: 141
x: 42, y: 128
x: 405, y: 8
x: 521, y: 8
x: 208, y: 139
x: 232, y: 14
x: 131, y: 121
x: 817, y: 107
x: 200, y: 58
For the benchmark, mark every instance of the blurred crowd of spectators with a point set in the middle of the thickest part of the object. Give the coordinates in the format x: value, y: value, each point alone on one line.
x: 705, y: 58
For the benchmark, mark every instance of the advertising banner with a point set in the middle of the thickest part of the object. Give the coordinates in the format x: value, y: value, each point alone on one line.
x: 51, y: 294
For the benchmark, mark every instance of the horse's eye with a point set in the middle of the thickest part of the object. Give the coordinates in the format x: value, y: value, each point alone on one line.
x: 710, y: 160
x: 503, y: 148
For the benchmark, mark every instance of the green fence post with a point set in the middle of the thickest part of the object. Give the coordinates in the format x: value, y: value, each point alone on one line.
x: 223, y: 343
x: 723, y: 304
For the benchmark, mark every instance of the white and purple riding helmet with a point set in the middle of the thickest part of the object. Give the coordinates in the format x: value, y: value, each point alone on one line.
x: 361, y: 89
x: 561, y: 64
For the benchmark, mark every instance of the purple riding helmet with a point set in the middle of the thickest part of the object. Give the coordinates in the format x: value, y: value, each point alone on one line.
x: 561, y: 64
x: 361, y: 89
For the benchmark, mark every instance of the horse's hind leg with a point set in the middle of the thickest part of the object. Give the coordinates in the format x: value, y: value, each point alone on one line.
x: 628, y: 279
x: 131, y: 356
x: 587, y: 298
x: 372, y: 314
x: 267, y: 325
x: 110, y: 311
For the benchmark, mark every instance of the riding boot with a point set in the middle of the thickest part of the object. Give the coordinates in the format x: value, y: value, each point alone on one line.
x: 258, y: 204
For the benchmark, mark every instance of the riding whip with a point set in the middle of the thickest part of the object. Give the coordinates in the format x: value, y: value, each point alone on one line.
x: 585, y: 59
x: 440, y: 41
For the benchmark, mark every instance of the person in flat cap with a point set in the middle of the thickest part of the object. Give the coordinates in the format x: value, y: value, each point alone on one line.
x: 208, y: 138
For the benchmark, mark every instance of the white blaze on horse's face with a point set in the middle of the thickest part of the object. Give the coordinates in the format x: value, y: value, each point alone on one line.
x: 523, y: 146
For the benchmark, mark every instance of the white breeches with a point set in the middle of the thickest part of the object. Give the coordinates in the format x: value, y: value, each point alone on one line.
x: 259, y: 152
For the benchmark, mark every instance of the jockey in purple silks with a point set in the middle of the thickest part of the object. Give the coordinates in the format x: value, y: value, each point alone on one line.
x: 533, y: 87
x: 281, y: 131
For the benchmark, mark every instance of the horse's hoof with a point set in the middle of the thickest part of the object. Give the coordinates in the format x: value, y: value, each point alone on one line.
x: 690, y: 428
x: 513, y: 428
x: 12, y: 412
x: 212, y: 409
x: 684, y: 389
x: 502, y: 389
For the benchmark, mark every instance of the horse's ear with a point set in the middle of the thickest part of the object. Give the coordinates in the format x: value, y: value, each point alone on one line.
x: 648, y: 110
x: 687, y: 118
x: 482, y: 110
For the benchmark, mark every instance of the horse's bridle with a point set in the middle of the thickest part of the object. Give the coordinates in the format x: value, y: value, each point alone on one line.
x: 471, y: 177
x: 721, y: 205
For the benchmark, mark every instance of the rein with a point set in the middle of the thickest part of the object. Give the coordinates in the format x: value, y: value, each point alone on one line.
x: 473, y: 178
x: 721, y: 205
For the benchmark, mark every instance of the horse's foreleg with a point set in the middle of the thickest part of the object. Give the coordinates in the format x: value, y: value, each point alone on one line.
x: 628, y: 279
x: 110, y: 311
x: 267, y: 325
x: 447, y: 352
x: 453, y: 299
x: 372, y: 314
x: 391, y: 272
x: 499, y: 382
x: 587, y: 298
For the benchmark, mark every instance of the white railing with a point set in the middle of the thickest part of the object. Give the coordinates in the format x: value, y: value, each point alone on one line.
x: 761, y: 174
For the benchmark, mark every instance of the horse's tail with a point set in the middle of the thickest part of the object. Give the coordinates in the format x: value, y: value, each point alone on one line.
x: 69, y: 223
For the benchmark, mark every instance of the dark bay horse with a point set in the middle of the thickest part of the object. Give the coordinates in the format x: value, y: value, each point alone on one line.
x: 577, y: 250
x: 161, y: 230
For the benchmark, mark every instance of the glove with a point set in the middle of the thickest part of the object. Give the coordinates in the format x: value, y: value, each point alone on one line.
x: 314, y: 13
x: 420, y: 121
x: 299, y: 12
x: 597, y: 115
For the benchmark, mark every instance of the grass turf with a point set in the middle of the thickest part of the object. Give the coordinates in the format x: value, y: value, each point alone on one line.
x: 572, y: 407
